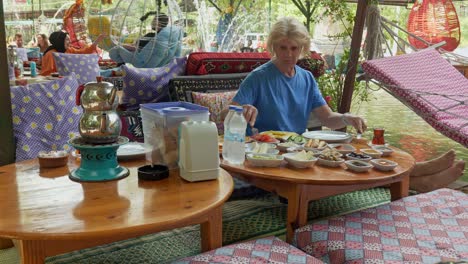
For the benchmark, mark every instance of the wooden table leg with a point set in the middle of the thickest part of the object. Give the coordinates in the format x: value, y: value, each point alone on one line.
x: 294, y: 209
x: 400, y: 189
x: 211, y: 231
x: 32, y: 251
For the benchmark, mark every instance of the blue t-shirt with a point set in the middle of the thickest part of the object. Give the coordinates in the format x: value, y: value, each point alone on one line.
x: 283, y: 103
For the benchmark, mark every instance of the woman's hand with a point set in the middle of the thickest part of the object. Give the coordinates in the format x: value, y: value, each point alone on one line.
x: 99, y: 39
x: 250, y: 114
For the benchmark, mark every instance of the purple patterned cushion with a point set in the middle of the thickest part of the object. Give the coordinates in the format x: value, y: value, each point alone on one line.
x: 263, y: 250
x: 216, y: 103
x: 424, y: 228
x: 144, y: 85
x: 85, y: 66
x: 45, y: 116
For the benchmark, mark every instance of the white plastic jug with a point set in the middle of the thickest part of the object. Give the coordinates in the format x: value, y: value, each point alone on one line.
x: 198, y: 151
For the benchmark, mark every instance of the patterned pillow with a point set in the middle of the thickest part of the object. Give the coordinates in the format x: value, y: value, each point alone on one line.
x: 146, y: 85
x: 45, y: 116
x: 85, y: 66
x: 216, y: 103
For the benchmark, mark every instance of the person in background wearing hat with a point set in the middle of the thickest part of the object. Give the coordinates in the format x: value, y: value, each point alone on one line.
x: 155, y: 49
x: 60, y: 42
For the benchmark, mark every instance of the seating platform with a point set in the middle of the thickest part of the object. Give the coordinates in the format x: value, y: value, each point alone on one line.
x: 423, y: 228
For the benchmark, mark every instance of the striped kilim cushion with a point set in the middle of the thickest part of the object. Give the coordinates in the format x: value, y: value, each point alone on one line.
x: 263, y: 250
x: 424, y: 228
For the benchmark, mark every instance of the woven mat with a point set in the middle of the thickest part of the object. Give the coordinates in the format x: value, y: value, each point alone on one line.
x: 243, y: 219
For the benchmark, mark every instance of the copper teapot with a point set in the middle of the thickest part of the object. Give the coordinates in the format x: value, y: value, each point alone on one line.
x: 100, y: 123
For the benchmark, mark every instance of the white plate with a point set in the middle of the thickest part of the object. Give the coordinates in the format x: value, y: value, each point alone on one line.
x: 133, y: 150
x: 328, y: 136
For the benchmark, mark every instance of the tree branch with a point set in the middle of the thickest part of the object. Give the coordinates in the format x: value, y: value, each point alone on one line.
x: 299, y: 5
x: 213, y: 4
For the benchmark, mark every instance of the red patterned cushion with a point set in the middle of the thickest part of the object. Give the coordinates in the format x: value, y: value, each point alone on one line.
x: 263, y: 250
x: 200, y: 63
x: 424, y: 228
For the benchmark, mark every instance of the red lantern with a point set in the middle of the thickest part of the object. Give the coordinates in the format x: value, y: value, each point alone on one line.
x: 434, y: 21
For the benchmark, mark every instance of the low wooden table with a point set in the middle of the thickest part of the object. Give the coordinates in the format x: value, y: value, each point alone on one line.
x: 300, y: 186
x: 49, y: 214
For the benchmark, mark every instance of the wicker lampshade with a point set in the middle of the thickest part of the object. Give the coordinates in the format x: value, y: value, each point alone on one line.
x: 434, y: 21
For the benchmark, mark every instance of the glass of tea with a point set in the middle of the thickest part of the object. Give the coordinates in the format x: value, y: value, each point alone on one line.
x: 378, y: 136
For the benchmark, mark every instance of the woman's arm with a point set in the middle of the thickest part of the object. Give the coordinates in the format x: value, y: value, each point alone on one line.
x: 336, y: 120
x: 48, y: 64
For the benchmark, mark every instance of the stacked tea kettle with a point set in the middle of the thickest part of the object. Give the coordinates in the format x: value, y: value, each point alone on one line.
x: 100, y: 123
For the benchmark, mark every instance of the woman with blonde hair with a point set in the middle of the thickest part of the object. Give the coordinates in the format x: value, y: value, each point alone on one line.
x: 279, y: 95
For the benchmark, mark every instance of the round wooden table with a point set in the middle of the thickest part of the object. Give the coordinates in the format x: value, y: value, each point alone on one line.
x: 49, y: 214
x: 300, y: 186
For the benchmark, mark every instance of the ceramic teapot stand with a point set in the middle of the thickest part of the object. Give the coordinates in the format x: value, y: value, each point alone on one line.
x: 98, y: 161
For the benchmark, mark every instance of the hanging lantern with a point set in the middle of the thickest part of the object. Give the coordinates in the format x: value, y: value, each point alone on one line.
x: 434, y: 21
x: 74, y: 24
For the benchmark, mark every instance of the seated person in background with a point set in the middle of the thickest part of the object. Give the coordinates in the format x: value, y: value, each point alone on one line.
x: 155, y: 49
x: 21, y: 52
x: 19, y: 40
x: 42, y: 42
x: 60, y: 42
x: 279, y: 95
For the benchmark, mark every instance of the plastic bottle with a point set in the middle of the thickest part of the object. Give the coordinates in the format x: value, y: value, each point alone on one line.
x: 236, y: 137
x: 232, y: 110
x: 32, y: 66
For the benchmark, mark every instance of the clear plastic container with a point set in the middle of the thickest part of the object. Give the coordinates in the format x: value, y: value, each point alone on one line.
x: 160, y: 128
x: 235, y: 141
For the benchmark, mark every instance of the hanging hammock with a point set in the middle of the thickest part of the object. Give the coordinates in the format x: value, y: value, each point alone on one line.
x: 434, y: 21
x: 430, y: 86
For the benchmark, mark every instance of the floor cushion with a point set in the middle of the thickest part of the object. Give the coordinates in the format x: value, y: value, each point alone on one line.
x: 263, y: 250
x: 145, y: 85
x: 423, y: 228
x: 44, y: 116
x: 85, y: 66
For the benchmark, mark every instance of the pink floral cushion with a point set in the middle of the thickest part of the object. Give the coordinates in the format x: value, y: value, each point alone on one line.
x: 85, y: 66
x: 423, y: 228
x: 433, y: 88
x: 45, y: 116
x: 216, y: 103
x: 263, y: 250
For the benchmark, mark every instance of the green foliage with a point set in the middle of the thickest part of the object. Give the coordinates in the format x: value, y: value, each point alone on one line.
x: 332, y: 83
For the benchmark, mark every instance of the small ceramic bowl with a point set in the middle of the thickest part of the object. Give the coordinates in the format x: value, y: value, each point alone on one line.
x: 330, y: 163
x: 343, y: 148
x: 375, y: 154
x: 289, y: 157
x: 357, y: 156
x: 386, y: 151
x: 358, y: 165
x: 264, y: 160
x: 284, y: 146
x: 52, y: 159
x: 384, y: 164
